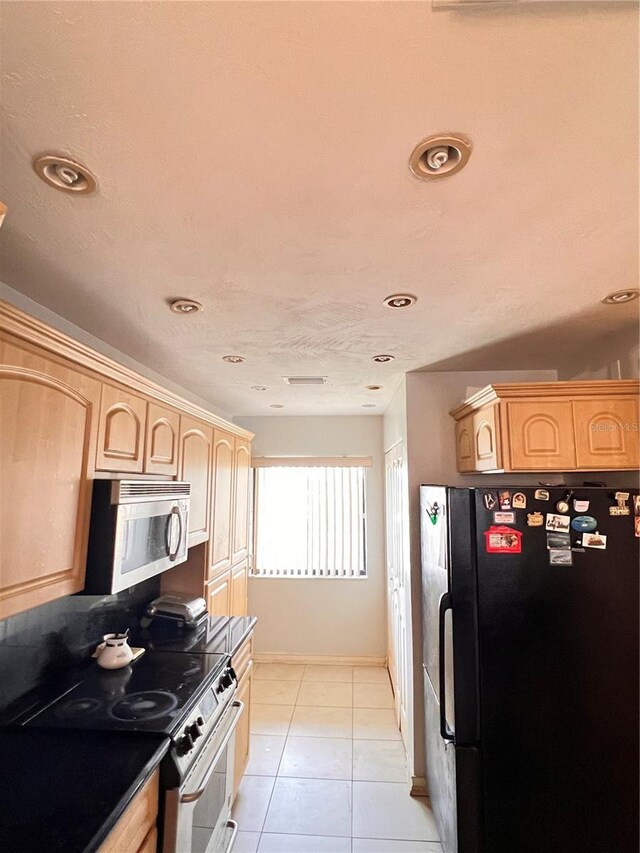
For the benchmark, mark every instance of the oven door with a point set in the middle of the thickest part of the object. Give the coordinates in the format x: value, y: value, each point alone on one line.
x: 197, y: 813
x: 150, y: 537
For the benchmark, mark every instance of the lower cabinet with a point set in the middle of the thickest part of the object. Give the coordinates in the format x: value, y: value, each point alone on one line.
x: 238, y: 598
x: 218, y: 595
x: 243, y: 666
x: 136, y: 831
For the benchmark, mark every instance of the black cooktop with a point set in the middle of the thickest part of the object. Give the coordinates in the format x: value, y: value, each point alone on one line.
x: 151, y: 695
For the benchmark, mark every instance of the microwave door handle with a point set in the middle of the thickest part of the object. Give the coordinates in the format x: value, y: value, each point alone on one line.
x: 175, y: 513
x: 191, y: 798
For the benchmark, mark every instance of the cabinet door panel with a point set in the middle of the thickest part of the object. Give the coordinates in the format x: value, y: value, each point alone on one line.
x: 541, y: 435
x: 48, y: 423
x: 196, y: 440
x: 219, y: 595
x: 239, y: 591
x: 121, y: 431
x: 464, y: 444
x: 161, y: 446
x: 221, y: 540
x: 241, y: 500
x: 607, y: 433
x: 485, y: 440
x: 243, y: 736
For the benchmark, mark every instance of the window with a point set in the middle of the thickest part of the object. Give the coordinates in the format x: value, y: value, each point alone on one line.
x: 310, y: 521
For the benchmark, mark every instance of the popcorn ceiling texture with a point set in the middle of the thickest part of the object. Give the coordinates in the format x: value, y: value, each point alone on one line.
x: 253, y: 156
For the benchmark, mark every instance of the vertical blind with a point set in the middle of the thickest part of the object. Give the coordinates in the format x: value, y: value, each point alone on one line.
x: 310, y: 522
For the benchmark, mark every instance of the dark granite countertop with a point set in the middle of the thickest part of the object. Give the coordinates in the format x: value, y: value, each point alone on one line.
x: 217, y: 635
x: 64, y: 791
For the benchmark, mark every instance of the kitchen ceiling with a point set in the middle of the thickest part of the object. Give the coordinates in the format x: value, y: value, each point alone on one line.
x: 254, y: 157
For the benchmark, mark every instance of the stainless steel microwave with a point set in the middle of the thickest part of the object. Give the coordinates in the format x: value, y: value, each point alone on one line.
x: 139, y: 528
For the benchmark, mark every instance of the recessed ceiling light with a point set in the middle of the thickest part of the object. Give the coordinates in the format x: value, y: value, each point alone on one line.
x: 277, y: 406
x: 65, y: 174
x: 185, y: 306
x: 233, y: 359
x: 373, y: 387
x: 400, y: 300
x: 383, y: 359
x: 618, y: 297
x: 305, y: 380
x: 258, y: 387
x: 439, y: 156
x: 368, y: 405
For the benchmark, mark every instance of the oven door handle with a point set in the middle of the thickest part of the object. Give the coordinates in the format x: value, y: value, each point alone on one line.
x: 192, y: 798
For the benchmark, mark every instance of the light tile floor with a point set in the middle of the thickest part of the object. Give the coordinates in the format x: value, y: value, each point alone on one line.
x: 327, y: 772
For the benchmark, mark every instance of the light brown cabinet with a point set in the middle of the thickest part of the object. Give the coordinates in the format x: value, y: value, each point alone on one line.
x: 48, y: 425
x: 242, y: 473
x: 162, y: 441
x: 196, y: 443
x: 121, y: 430
x: 549, y: 426
x: 238, y: 593
x: 243, y: 666
x: 136, y: 832
x: 223, y: 466
x: 218, y: 595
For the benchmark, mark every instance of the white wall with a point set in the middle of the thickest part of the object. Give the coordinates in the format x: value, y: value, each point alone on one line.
x: 615, y: 357
x: 19, y: 300
x: 326, y: 617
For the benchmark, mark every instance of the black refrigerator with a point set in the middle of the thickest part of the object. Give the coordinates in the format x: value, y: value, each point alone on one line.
x: 530, y: 661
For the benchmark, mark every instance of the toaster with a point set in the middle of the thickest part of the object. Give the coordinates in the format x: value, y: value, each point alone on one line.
x: 178, y: 607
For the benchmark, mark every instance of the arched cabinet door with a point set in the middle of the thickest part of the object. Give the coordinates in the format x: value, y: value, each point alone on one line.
x: 48, y: 425
x: 196, y: 441
x: 607, y: 433
x: 121, y: 431
x: 241, y: 500
x: 162, y: 440
x: 541, y: 435
x: 222, y: 538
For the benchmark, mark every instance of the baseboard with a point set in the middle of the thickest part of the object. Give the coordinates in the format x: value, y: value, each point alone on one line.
x: 419, y: 787
x: 344, y: 660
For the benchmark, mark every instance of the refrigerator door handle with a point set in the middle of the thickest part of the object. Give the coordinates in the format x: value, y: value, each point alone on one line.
x: 445, y: 604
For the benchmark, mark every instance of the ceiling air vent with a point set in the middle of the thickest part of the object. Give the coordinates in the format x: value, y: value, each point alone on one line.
x: 305, y: 380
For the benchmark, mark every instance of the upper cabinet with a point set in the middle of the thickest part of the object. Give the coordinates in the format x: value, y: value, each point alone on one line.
x: 554, y: 426
x: 196, y: 443
x: 48, y: 424
x: 121, y: 431
x: 223, y: 466
x: 162, y: 441
x: 242, y: 475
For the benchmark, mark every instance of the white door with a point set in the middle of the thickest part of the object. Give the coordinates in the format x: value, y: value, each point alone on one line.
x: 398, y: 587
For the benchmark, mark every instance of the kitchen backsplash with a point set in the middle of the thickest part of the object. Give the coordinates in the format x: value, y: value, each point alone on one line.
x: 38, y: 645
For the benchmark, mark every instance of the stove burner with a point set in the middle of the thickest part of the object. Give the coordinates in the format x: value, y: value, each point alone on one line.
x: 77, y: 708
x: 147, y: 705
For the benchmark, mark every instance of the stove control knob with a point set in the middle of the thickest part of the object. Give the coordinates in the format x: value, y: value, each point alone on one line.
x: 194, y: 731
x: 226, y: 680
x: 185, y: 744
x: 200, y: 721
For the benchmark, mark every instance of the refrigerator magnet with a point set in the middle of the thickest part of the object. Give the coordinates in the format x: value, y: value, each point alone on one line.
x: 535, y: 519
x: 558, y: 541
x: 580, y: 506
x: 636, y: 526
x: 621, y: 507
x: 504, y: 518
x: 557, y: 523
x: 503, y: 540
x: 636, y: 505
x: 560, y: 557
x: 594, y: 540
x: 541, y: 495
x: 584, y: 523
x: 504, y: 499
x: 519, y: 500
x: 489, y: 500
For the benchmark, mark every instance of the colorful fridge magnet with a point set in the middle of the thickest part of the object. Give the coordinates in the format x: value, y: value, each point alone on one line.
x: 580, y: 506
x: 563, y: 505
x: 621, y: 508
x: 504, y: 517
x: 503, y: 540
x: 504, y: 498
x: 541, y: 495
x: 489, y: 500
x: 557, y: 523
x: 519, y: 500
x: 558, y: 541
x: 535, y: 519
x: 584, y: 523
x: 636, y: 526
x: 560, y: 557
x: 636, y: 505
x: 594, y: 540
